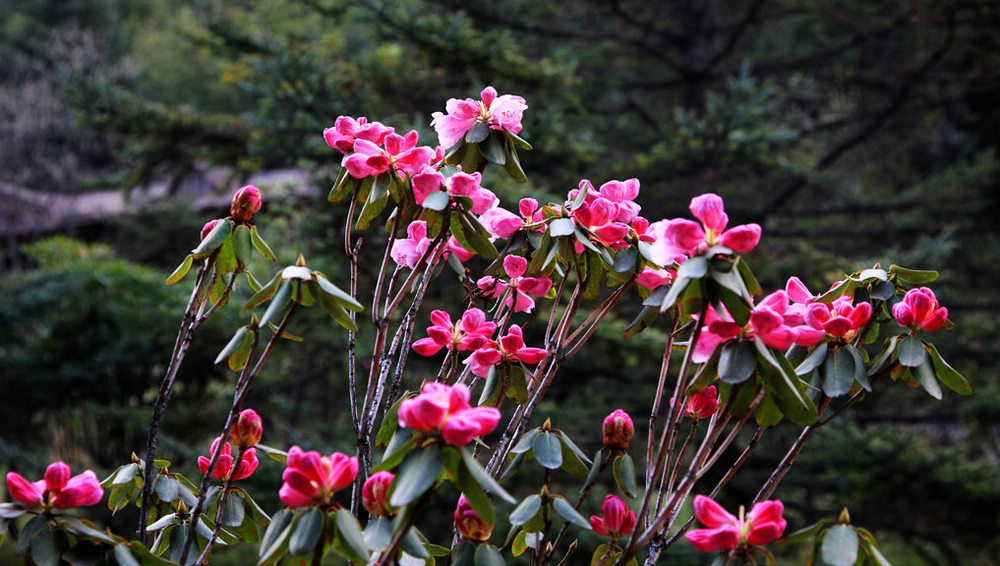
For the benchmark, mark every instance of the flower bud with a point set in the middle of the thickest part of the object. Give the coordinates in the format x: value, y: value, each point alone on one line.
x: 247, y: 430
x: 618, y: 430
x: 246, y: 201
x: 208, y: 227
x: 375, y: 494
x: 469, y: 524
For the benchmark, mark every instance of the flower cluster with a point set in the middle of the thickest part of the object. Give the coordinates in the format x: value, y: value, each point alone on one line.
x: 460, y: 184
x: 445, y: 408
x: 681, y: 237
x: 394, y: 151
x: 919, y: 310
x: 311, y: 479
x: 347, y: 130
x: 472, y: 332
x: 509, y: 349
x: 517, y: 290
x: 499, y: 112
x: 56, y: 489
x: 408, y: 251
x: 248, y: 462
x: 246, y: 202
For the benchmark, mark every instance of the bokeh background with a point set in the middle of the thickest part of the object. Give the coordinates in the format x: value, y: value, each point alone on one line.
x: 853, y: 131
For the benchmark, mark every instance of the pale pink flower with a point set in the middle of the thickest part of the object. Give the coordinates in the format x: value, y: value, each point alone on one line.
x: 346, y: 129
x: 652, y: 278
x: 473, y: 332
x: 500, y: 112
x: 509, y: 349
x: 616, y: 518
x: 919, y: 310
x: 500, y: 222
x: 429, y: 180
x: 618, y: 430
x: 311, y: 479
x: 520, y: 288
x: 248, y: 463
x: 446, y: 408
x: 682, y: 236
x: 408, y: 251
x: 56, y: 489
x: 762, y: 525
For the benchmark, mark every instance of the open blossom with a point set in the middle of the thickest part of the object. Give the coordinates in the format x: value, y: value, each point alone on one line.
x: 246, y: 202
x: 429, y: 180
x: 762, y: 525
x: 520, y: 287
x: 311, y: 479
x: 469, y: 524
x: 247, y: 430
x: 618, y: 430
x: 446, y: 408
x: 503, y: 111
x: 56, y: 489
x: 606, y: 212
x: 473, y: 332
x: 408, y: 251
x: 616, y: 518
x: 919, y: 310
x: 703, y: 404
x: 510, y: 348
x: 398, y: 152
x: 248, y: 463
x: 346, y: 129
x: 375, y: 494
x: 840, y: 319
x: 652, y: 278
x: 502, y: 223
x: 681, y: 236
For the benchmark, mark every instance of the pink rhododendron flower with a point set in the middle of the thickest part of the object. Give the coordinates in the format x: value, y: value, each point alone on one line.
x: 508, y: 349
x: 500, y: 222
x: 840, y: 318
x: 469, y: 524
x: 600, y: 214
x: 208, y: 227
x: 408, y: 251
x: 248, y: 463
x: 762, y: 525
x: 246, y: 202
x: 652, y: 278
x: 616, y: 518
x: 375, y: 494
x: 247, y: 430
x: 311, y: 479
x: 703, y: 404
x: 520, y: 287
x: 429, y: 180
x: 680, y: 236
x: 56, y: 489
x: 618, y: 430
x: 499, y: 112
x: 919, y: 310
x: 473, y: 332
x: 398, y: 152
x: 346, y: 129
x: 446, y: 408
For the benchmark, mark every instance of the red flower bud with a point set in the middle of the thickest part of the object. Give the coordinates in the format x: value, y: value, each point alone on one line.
x: 247, y: 430
x: 618, y: 430
x: 246, y: 201
x: 375, y: 494
x: 208, y: 227
x: 469, y: 524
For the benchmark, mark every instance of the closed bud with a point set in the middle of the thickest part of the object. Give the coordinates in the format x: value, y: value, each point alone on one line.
x: 469, y: 524
x: 247, y: 430
x: 246, y: 201
x: 208, y: 227
x: 375, y: 494
x: 618, y: 430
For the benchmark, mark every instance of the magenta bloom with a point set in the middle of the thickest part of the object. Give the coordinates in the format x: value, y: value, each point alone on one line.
x: 652, y: 278
x: 429, y: 180
x: 520, y: 287
x: 508, y: 349
x: 685, y: 237
x: 247, y: 430
x: 346, y: 129
x: 919, y: 310
x: 839, y: 319
x: 726, y: 532
x: 246, y: 202
x: 446, y: 408
x: 208, y: 227
x: 56, y: 489
x: 616, y: 518
x: 408, y: 251
x: 469, y: 524
x: 400, y: 153
x: 500, y: 112
x: 472, y: 333
x: 618, y: 430
x: 248, y: 463
x: 375, y: 494
x: 703, y: 404
x: 311, y: 479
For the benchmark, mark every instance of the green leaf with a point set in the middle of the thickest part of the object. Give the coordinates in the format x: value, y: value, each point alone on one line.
x: 123, y: 556
x: 924, y: 374
x: 911, y: 351
x: 624, y: 470
x: 418, y: 473
x: 518, y: 141
x: 513, y: 167
x: 238, y: 360
x: 524, y: 444
x: 436, y: 200
x: 914, y: 276
x: 768, y: 414
x: 273, y: 453
x: 517, y: 385
x: 494, y: 149
x: 43, y: 549
x: 813, y: 360
x: 234, y: 512
x: 526, y: 510
x: 415, y: 543
x: 484, y: 479
x: 572, y: 462
x: 167, y: 489
x: 475, y: 495
x: 562, y: 227
x: 694, y: 268
x: 488, y: 555
x: 277, y: 302
x: 342, y: 296
x: 260, y: 244
x: 349, y: 533
x: 595, y: 468
x: 181, y: 270
x: 883, y: 291
x: 840, y: 546
x: 753, y: 287
x: 242, y: 245
x: 787, y: 388
x: 478, y: 132
x: 947, y: 374
x: 838, y: 372
x: 626, y: 259
x: 234, y: 343
x: 520, y: 544
x: 372, y: 209
x: 125, y: 474
x: 859, y: 366
x: 470, y: 237
x: 803, y: 533
x: 276, y: 534
x: 219, y: 234
x: 548, y: 450
x: 163, y: 522
x: 399, y: 446
x: 566, y: 510
x: 464, y: 555
x: 737, y: 361
x: 677, y: 288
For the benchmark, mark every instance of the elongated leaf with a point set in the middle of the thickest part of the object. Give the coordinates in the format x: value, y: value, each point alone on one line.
x: 574, y: 448
x: 813, y: 360
x: 436, y: 200
x: 526, y: 510
x: 624, y: 471
x: 260, y: 244
x: 418, y: 473
x: 123, y: 556
x: 125, y: 474
x: 561, y: 227
x: 924, y: 374
x: 233, y: 344
x: 524, y: 444
x: 349, y: 532
x: 838, y: 372
x: 275, y: 535
x: 478, y: 132
x: 947, y: 374
x: 494, y: 149
x: 181, y: 270
x: 626, y: 259
x: 914, y: 276
x: 547, y: 450
x: 788, y: 389
x: 840, y: 546
x: 219, y: 234
x: 595, y: 468
x: 859, y: 366
x: 767, y: 414
x: 911, y: 351
x: 476, y: 495
x: 737, y: 361
x: 278, y: 302
x: 235, y: 511
x: 513, y: 167
x: 694, y: 268
x: 484, y: 479
x: 753, y: 287
x: 242, y: 244
x: 488, y: 555
x: 678, y: 287
x: 566, y: 511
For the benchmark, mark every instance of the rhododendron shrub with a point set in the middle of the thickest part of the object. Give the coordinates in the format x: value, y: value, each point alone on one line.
x: 531, y: 282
